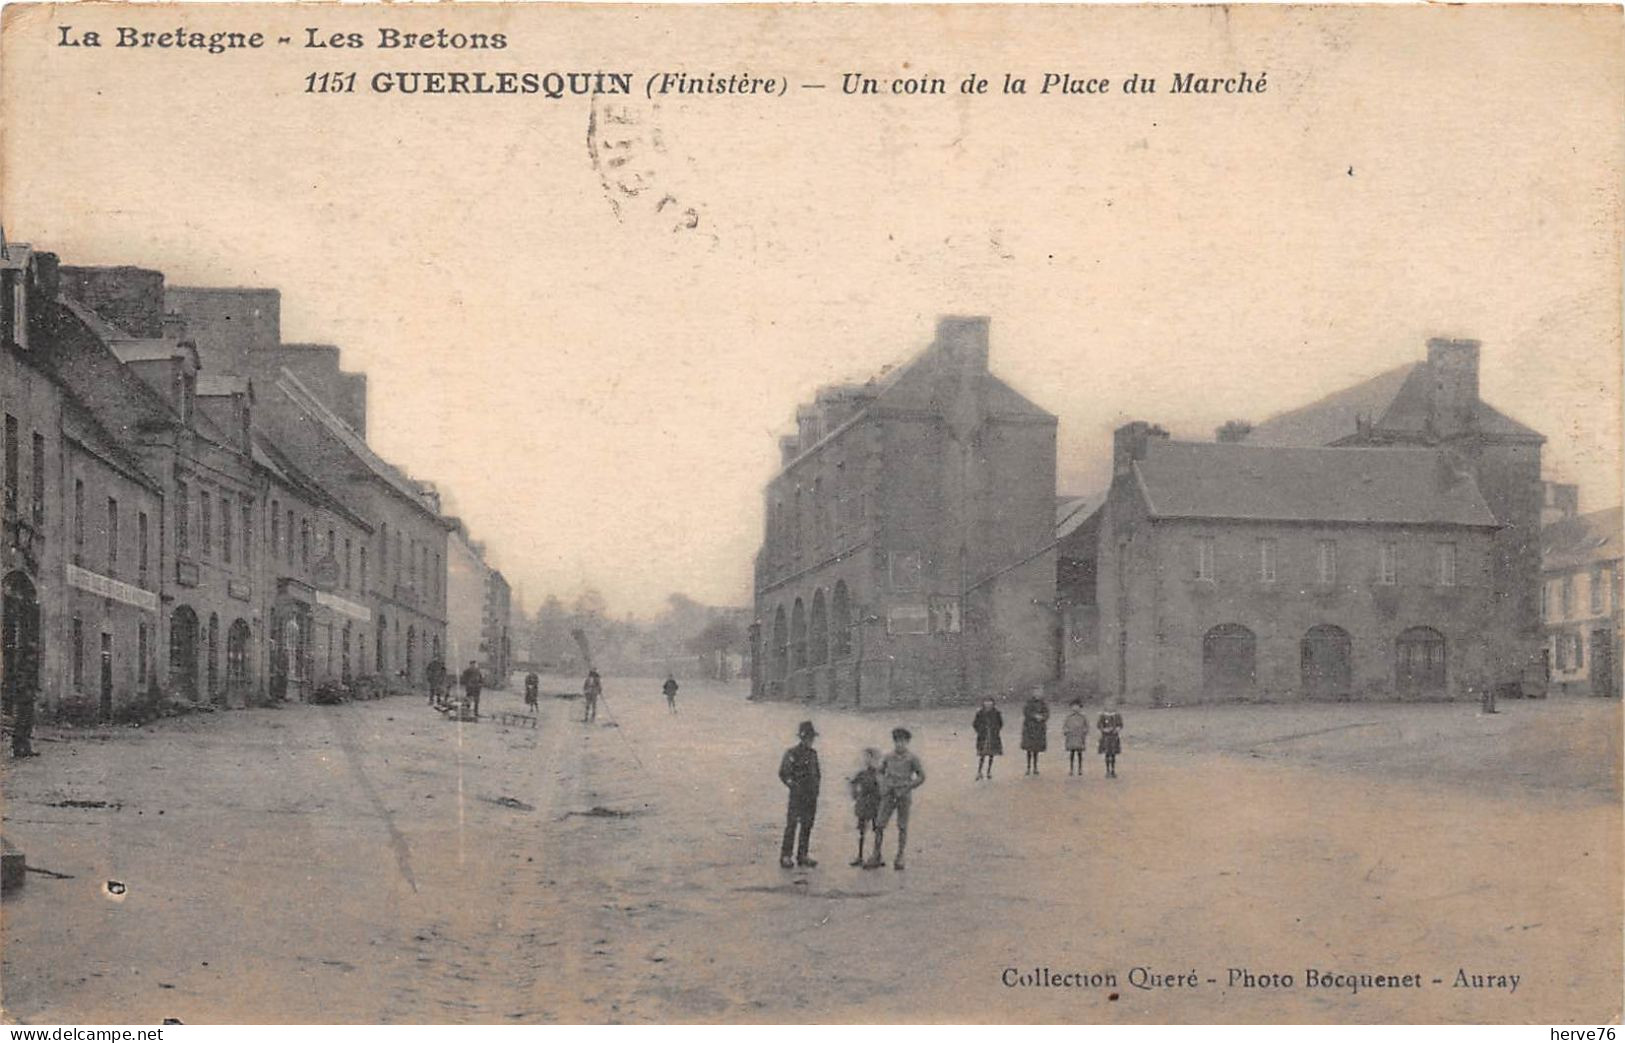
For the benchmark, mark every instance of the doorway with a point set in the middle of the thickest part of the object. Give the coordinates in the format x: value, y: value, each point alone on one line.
x: 19, y: 641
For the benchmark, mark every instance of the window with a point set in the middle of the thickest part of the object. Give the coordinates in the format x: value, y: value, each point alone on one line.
x: 206, y: 520
x: 1570, y: 652
x: 1447, y: 564
x: 347, y: 578
x: 78, y: 652
x: 1565, y: 597
x: 183, y: 518
x: 289, y: 545
x: 1545, y: 600
x: 141, y: 655
x: 1204, y: 557
x: 1326, y: 557
x: 1266, y: 560
x: 276, y: 529
x: 11, y: 463
x: 225, y: 528
x: 363, y: 569
x: 332, y: 548
x: 112, y: 535
x: 39, y: 479
x: 248, y: 533
x: 1388, y: 563
x: 304, y: 542
x: 1599, y: 586
x: 78, y: 521
x: 141, y: 552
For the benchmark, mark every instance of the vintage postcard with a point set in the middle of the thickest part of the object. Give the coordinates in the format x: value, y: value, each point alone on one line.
x: 531, y: 514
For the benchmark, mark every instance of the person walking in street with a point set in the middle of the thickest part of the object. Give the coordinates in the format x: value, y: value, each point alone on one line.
x: 865, y: 788
x: 798, y: 770
x: 989, y: 724
x: 590, y: 691
x: 670, y: 688
x: 901, y: 773
x: 1075, y: 730
x: 533, y: 690
x: 1110, y: 724
x: 435, y: 674
x: 1035, y: 729
x: 473, y: 681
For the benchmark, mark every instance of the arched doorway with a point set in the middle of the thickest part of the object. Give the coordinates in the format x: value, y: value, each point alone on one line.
x: 214, y: 658
x: 781, y: 645
x: 183, y: 637
x: 237, y: 640
x: 1326, y: 660
x: 19, y: 640
x: 840, y: 623
x: 1229, y: 665
x: 1419, y: 663
x: 818, y: 640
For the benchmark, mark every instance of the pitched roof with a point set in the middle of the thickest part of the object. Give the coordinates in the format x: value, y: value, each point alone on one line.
x: 270, y: 457
x: 1268, y: 483
x: 1395, y: 402
x: 1072, y: 511
x: 1586, y: 539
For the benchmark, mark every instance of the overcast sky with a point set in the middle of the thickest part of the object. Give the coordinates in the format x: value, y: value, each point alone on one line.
x: 601, y: 390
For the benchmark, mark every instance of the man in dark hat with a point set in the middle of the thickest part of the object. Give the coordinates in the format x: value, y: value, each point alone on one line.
x: 590, y: 691
x: 799, y: 771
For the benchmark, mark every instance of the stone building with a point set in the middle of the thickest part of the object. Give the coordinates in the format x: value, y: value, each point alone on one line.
x: 908, y: 557
x: 1581, y: 603
x: 1435, y: 404
x: 1231, y: 571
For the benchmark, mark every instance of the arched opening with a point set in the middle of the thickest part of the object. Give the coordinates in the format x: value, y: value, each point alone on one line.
x: 237, y: 641
x: 781, y: 645
x: 411, y: 652
x: 818, y: 640
x: 214, y: 658
x: 1419, y: 664
x: 1229, y: 664
x: 344, y: 655
x: 183, y: 636
x: 19, y: 640
x: 380, y: 656
x: 840, y: 622
x: 1326, y: 660
x: 798, y: 636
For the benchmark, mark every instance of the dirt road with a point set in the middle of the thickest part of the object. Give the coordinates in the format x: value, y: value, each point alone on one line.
x: 373, y: 862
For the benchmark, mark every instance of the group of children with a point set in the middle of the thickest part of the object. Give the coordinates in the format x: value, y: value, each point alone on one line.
x: 884, y: 786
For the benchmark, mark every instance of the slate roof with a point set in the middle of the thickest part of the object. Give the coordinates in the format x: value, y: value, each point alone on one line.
x: 1395, y: 402
x: 1268, y: 483
x: 270, y: 457
x: 1586, y: 539
x: 1072, y: 511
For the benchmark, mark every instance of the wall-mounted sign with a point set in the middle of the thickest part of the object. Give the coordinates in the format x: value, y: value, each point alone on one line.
x: 108, y: 587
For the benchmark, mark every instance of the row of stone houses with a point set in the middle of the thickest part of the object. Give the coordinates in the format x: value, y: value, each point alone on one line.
x: 1580, y: 595
x: 1384, y: 542
x: 198, y: 512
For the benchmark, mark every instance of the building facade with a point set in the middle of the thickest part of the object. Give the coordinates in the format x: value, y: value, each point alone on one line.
x: 1436, y: 404
x: 1234, y: 572
x: 908, y: 557
x: 1581, y: 603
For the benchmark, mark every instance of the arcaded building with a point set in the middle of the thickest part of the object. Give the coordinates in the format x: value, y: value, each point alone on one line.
x: 908, y: 557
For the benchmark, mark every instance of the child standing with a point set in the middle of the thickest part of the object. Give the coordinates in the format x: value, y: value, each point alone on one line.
x: 865, y: 787
x: 1111, y: 742
x: 1075, y: 729
x: 901, y: 773
x: 989, y: 743
x: 1035, y: 729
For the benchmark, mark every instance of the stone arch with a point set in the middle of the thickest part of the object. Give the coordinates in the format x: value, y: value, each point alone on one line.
x: 840, y: 622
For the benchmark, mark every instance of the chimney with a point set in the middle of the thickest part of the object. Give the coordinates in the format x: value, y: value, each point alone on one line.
x: 789, y: 449
x: 962, y: 340
x: 46, y: 275
x: 130, y: 298
x: 1453, y: 392
x: 1131, y: 442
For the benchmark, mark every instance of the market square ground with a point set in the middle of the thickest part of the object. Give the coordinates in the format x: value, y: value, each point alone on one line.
x: 372, y: 862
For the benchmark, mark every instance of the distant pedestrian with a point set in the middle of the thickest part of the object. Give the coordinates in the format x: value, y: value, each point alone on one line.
x: 989, y: 724
x: 901, y: 773
x: 1035, y: 729
x: 473, y: 681
x: 1111, y: 739
x: 798, y: 770
x: 533, y: 690
x: 590, y: 691
x: 865, y: 787
x: 435, y: 674
x: 1075, y: 730
x: 670, y: 688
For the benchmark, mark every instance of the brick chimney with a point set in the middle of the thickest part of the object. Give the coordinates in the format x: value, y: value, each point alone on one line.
x: 130, y: 298
x: 962, y: 341
x: 1131, y: 442
x: 1453, y: 386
